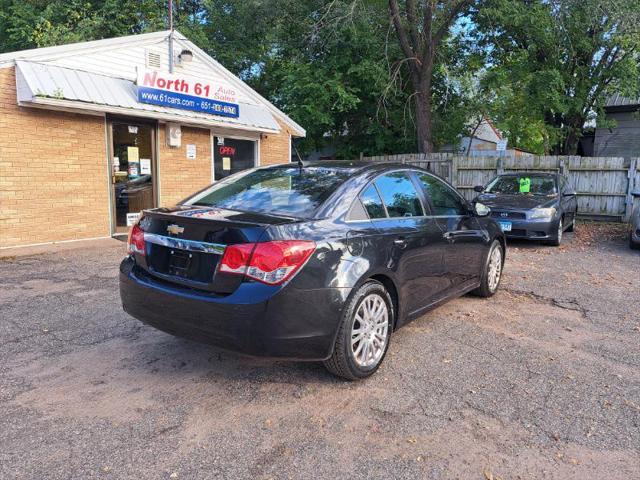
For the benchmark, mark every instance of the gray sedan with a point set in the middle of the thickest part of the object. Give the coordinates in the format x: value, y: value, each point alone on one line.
x: 532, y: 206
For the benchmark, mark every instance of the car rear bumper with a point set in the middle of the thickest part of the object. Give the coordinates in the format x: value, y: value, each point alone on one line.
x: 256, y: 320
x: 532, y: 229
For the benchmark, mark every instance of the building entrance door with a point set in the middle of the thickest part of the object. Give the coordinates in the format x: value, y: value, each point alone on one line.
x: 132, y: 172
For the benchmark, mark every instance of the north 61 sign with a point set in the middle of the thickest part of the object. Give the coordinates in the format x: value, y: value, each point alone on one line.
x: 187, y: 93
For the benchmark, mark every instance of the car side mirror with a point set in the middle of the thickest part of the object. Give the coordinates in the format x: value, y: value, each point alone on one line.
x: 481, y: 209
x: 478, y: 188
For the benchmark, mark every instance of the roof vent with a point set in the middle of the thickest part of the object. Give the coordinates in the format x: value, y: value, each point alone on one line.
x: 152, y: 59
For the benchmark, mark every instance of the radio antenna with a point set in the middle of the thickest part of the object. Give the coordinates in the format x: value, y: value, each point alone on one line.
x: 300, y: 164
x: 170, y: 36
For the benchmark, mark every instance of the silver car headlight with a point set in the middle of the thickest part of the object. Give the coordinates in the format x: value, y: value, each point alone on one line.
x: 543, y: 213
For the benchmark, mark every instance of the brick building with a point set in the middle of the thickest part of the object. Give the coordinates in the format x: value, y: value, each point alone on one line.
x: 92, y: 133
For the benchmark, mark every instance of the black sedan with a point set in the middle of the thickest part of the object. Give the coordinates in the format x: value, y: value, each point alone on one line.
x: 317, y: 262
x: 533, y: 206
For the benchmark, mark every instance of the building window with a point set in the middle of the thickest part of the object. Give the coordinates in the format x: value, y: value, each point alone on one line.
x: 231, y: 156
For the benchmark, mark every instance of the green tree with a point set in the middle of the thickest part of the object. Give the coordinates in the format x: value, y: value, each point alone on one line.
x: 421, y: 30
x: 553, y: 63
x: 40, y: 23
x: 324, y: 63
x: 335, y: 66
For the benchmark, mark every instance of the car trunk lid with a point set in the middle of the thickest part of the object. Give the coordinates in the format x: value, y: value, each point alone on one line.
x: 185, y: 244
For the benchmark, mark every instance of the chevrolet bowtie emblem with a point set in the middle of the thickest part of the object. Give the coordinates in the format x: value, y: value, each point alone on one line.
x: 174, y: 229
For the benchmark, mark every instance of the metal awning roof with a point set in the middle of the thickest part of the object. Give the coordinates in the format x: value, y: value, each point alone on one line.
x: 51, y: 86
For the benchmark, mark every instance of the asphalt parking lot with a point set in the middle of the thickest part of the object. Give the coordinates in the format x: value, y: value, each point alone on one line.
x: 541, y: 381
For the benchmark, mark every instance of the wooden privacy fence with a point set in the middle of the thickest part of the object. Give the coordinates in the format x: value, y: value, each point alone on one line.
x: 603, y: 184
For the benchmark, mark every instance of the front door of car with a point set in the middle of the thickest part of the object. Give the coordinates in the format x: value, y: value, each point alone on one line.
x: 467, y: 241
x: 413, y: 241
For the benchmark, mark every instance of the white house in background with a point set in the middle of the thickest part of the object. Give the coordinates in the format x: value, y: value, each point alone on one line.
x: 483, y: 137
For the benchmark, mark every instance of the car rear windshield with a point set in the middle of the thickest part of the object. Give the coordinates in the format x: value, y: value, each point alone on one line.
x: 523, y: 184
x: 293, y: 191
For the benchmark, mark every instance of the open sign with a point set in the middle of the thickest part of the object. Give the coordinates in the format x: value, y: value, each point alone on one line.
x: 226, y: 150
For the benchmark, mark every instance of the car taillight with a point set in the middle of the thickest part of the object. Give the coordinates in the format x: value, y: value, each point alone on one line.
x: 236, y: 258
x: 135, y: 243
x: 269, y: 262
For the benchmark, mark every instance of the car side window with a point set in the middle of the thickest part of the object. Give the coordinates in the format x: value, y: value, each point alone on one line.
x: 372, y: 203
x: 445, y: 201
x: 399, y: 195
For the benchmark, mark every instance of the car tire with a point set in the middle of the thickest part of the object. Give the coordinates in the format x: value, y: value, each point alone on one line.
x: 633, y: 245
x: 489, y: 285
x: 557, y: 239
x: 347, y: 361
x: 572, y: 227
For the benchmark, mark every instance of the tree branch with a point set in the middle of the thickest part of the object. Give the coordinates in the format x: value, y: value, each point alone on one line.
x: 402, y: 36
x: 427, y: 27
x: 449, y: 18
x: 412, y: 17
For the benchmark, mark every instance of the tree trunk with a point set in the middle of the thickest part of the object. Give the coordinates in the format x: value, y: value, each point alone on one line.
x: 570, y: 145
x: 423, y: 123
x: 423, y: 110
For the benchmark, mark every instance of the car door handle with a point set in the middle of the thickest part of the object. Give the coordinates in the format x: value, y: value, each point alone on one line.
x: 400, y: 242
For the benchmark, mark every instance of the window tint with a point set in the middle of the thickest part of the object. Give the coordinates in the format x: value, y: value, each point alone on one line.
x: 445, y: 201
x: 399, y: 195
x: 372, y: 203
x: 283, y: 190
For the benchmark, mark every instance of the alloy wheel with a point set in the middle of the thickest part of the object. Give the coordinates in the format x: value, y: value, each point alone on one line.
x: 494, y: 269
x: 370, y: 331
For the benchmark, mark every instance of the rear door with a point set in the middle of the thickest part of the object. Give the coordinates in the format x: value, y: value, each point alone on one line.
x: 411, y: 238
x: 465, y: 237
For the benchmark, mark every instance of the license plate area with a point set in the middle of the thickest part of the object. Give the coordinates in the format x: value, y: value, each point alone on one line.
x: 179, y: 263
x: 505, y: 226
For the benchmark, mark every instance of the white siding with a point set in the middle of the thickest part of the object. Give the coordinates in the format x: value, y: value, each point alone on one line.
x: 122, y: 62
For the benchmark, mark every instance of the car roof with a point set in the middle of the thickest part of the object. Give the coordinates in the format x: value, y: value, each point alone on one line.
x: 352, y: 167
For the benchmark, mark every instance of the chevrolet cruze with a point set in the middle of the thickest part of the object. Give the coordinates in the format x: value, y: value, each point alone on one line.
x: 322, y: 261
